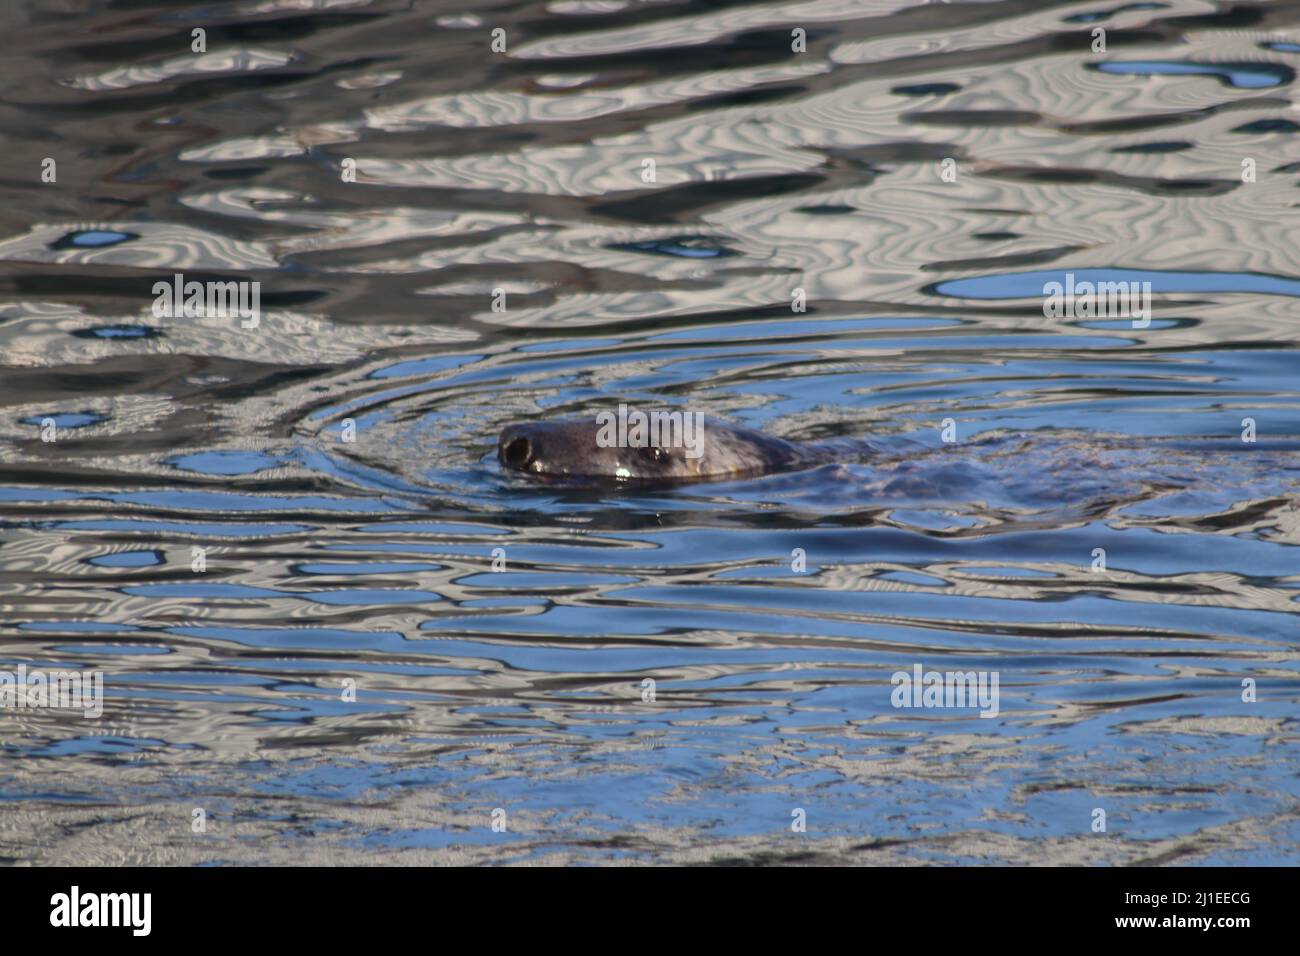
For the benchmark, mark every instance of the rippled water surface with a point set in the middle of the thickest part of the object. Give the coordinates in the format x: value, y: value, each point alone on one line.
x: 620, y: 208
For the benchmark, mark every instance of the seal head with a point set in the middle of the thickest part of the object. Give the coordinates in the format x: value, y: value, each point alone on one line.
x: 568, y: 449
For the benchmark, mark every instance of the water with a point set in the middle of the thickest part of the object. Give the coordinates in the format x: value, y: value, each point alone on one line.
x: 520, y: 692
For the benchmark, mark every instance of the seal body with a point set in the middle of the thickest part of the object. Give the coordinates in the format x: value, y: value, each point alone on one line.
x: 577, y: 449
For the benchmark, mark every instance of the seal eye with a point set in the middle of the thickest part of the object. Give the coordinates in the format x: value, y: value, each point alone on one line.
x: 518, y: 453
x: 652, y: 453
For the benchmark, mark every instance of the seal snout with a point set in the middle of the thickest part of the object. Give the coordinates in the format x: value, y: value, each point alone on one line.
x: 515, y: 449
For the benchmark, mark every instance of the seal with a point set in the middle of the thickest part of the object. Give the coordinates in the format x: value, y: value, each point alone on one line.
x: 1015, y: 469
x: 570, y: 449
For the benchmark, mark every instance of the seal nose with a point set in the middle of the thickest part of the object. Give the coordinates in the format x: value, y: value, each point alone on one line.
x: 515, y: 450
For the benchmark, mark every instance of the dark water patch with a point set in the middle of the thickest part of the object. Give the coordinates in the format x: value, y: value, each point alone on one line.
x: 974, y: 119
x: 1147, y: 121
x: 1172, y: 146
x: 826, y: 210
x: 1145, y: 184
x: 755, y: 97
x: 1237, y: 16
x: 926, y: 89
x: 1267, y: 126
x: 120, y: 331
x: 236, y: 172
x: 687, y: 202
x: 286, y: 298
x: 577, y: 21
x: 142, y: 48
x: 756, y: 48
x: 136, y: 290
x: 251, y: 385
x: 872, y: 156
